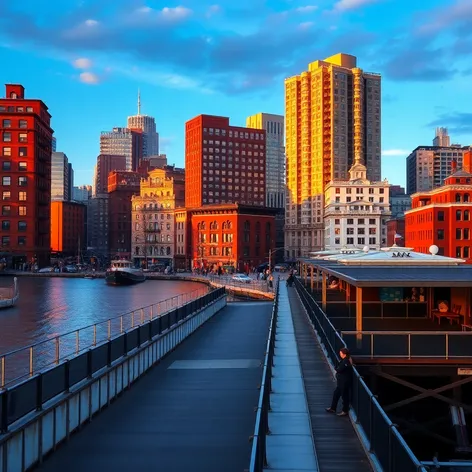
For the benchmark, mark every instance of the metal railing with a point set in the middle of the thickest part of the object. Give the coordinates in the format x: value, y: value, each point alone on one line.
x: 405, y: 345
x: 27, y: 361
x: 383, y: 438
x: 452, y: 466
x: 261, y: 429
x: 229, y: 282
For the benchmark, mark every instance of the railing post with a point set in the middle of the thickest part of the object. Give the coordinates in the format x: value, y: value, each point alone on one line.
x: 447, y: 346
x: 132, y: 319
x: 2, y: 378
x: 121, y: 324
x: 109, y: 329
x: 94, y: 334
x: 142, y: 316
x: 151, y: 315
x: 58, y: 354
x: 77, y: 341
x: 409, y: 345
x: 31, y: 366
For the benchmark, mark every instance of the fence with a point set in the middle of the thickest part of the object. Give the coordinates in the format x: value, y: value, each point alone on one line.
x: 21, y: 363
x: 229, y: 282
x: 258, y: 452
x: 400, y: 344
x: 385, y: 441
x: 31, y: 395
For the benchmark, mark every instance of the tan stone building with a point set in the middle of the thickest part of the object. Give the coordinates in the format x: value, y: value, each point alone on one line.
x: 154, y: 235
x: 332, y: 115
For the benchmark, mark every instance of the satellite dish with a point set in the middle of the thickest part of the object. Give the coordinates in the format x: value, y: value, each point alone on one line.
x: 433, y: 249
x: 366, y: 248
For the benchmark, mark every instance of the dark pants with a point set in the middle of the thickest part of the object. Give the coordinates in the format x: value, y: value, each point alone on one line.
x: 344, y: 393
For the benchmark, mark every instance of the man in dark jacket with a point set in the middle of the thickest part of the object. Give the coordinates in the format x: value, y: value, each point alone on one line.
x: 344, y: 372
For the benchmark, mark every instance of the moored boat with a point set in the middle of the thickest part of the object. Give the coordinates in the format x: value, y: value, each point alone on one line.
x: 122, y: 272
x: 9, y: 295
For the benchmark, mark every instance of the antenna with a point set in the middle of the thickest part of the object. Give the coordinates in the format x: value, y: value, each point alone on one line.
x: 139, y: 102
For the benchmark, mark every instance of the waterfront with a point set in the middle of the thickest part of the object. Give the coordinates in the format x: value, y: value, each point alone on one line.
x: 50, y: 306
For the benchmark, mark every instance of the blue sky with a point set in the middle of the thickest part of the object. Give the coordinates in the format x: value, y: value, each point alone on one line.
x: 87, y: 58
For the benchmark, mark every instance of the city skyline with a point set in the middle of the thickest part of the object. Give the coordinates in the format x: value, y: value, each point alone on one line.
x: 89, y: 88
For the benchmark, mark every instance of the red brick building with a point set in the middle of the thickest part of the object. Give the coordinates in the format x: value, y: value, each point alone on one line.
x: 122, y: 185
x: 231, y: 235
x: 443, y: 217
x: 68, y: 227
x: 105, y: 164
x: 26, y: 141
x: 223, y: 163
x: 395, y: 228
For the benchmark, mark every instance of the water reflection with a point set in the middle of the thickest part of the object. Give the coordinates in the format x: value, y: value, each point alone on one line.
x: 52, y: 306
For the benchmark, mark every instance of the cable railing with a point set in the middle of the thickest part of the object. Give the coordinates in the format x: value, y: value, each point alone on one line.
x: 27, y: 361
x: 409, y: 345
x: 261, y: 429
x: 383, y: 438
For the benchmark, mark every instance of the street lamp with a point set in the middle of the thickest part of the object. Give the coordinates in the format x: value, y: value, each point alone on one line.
x: 271, y: 251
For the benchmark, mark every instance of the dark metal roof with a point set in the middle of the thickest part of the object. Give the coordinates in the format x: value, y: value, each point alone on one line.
x: 406, y: 276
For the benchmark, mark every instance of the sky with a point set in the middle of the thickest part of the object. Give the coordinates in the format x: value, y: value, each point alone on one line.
x: 86, y: 59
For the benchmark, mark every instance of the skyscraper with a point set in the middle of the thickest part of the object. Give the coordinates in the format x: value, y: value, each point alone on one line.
x: 275, y: 156
x: 123, y: 142
x: 147, y: 125
x: 442, y: 138
x: 332, y: 116
x: 60, y: 177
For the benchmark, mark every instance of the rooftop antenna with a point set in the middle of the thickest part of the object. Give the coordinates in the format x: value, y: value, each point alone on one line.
x: 139, y: 102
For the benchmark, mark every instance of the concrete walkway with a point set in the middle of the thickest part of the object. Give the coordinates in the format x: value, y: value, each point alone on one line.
x: 290, y: 446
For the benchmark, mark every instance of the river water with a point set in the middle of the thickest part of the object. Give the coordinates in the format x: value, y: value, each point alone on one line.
x: 49, y: 307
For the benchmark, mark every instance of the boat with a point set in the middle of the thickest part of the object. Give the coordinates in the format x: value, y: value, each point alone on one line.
x: 9, y: 295
x: 122, y: 272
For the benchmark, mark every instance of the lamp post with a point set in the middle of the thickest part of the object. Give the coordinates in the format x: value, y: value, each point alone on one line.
x: 272, y: 251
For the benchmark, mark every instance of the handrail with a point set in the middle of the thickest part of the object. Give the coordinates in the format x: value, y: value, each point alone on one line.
x: 258, y: 452
x: 28, y: 360
x: 259, y: 285
x: 394, y: 333
x: 385, y: 441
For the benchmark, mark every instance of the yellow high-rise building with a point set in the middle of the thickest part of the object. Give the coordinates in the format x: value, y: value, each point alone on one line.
x: 332, y: 114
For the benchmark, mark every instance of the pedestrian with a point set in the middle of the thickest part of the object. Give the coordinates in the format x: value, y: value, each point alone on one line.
x: 344, y: 373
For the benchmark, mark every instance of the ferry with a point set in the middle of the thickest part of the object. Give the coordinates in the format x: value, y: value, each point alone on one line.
x: 122, y: 272
x: 10, y: 295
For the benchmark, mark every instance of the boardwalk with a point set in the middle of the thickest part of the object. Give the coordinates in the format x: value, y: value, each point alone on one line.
x: 338, y: 448
x: 194, y: 411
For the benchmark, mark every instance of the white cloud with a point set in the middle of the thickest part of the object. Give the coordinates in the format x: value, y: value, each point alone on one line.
x: 305, y: 25
x: 82, y: 63
x: 343, y: 5
x: 89, y: 78
x: 144, y: 10
x: 306, y: 9
x: 395, y: 152
x: 91, y: 23
x: 177, y: 13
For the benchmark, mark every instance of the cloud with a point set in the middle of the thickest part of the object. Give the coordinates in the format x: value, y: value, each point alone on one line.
x: 213, y: 10
x: 305, y: 25
x: 395, y: 153
x: 175, y: 14
x: 91, y: 23
x: 459, y: 123
x: 443, y: 18
x: 306, y: 9
x: 343, y: 5
x: 89, y: 78
x: 82, y: 63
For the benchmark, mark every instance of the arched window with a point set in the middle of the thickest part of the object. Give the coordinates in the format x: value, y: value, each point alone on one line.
x: 213, y: 225
x: 247, y: 226
x: 458, y: 197
x: 466, y: 197
x: 13, y: 95
x: 258, y: 227
x: 162, y: 251
x: 168, y: 250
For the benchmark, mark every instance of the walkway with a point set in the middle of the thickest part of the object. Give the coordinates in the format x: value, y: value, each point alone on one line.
x: 290, y: 445
x: 194, y: 411
x: 337, y: 445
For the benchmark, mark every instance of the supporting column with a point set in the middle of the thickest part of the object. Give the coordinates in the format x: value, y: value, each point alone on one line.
x: 358, y: 308
x: 317, y: 279
x: 312, y: 278
x: 323, y: 290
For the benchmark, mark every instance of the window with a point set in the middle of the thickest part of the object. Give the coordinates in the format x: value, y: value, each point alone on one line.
x: 6, y: 123
x: 5, y: 240
x: 22, y: 166
x: 29, y: 109
x: 23, y: 124
x: 22, y: 210
x: 6, y: 180
x: 22, y: 181
x: 6, y: 195
x: 21, y: 240
x: 23, y: 137
x: 5, y: 225
x: 440, y: 234
x: 458, y: 233
x: 6, y: 165
x: 22, y: 151
x: 440, y: 216
x: 7, y: 151
x: 458, y: 251
x: 22, y: 196
x: 466, y: 215
x: 458, y: 215
x: 7, y: 137
x: 465, y: 252
x: 22, y: 225
x: 372, y: 221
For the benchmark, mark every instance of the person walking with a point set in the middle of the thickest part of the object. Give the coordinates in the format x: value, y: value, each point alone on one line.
x: 344, y: 373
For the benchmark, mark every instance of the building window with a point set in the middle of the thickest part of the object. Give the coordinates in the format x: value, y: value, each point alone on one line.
x: 5, y: 225
x: 22, y: 181
x: 6, y: 180
x: 22, y: 196
x: 6, y: 195
x: 23, y: 124
x: 466, y: 233
x: 21, y: 240
x: 6, y: 210
x: 22, y: 225
x: 23, y: 152
x: 458, y: 251
x: 440, y: 234
x: 440, y: 216
x: 7, y: 151
x: 7, y: 137
x: 6, y: 165
x: 246, y: 251
x: 372, y: 241
x: 350, y: 240
x: 458, y: 215
x: 22, y: 210
x: 458, y: 233
x: 6, y: 123
x: 465, y: 253
x: 23, y: 138
x: 466, y: 215
x: 5, y: 240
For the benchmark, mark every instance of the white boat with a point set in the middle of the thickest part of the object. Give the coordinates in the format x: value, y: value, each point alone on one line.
x: 9, y: 295
x: 122, y: 272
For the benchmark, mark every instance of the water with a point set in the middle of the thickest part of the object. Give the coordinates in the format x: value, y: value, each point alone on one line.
x: 49, y: 307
